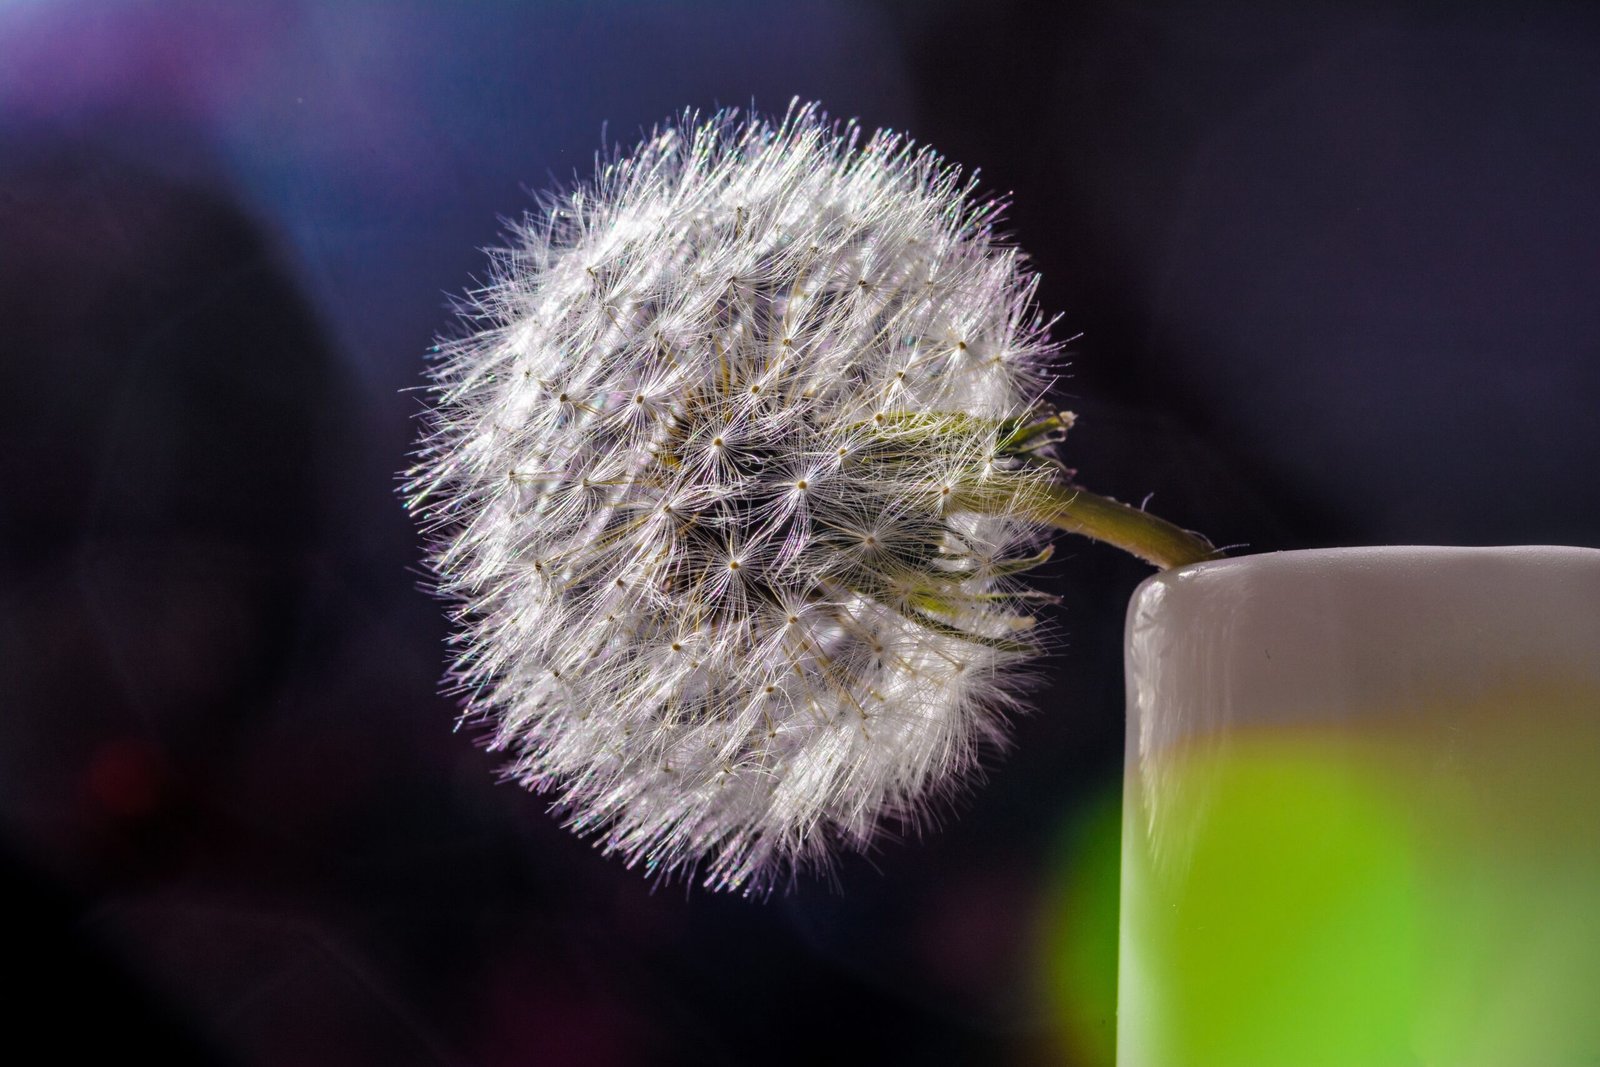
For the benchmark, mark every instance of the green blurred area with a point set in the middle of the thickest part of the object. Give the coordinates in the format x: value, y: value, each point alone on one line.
x: 1080, y: 935
x: 1291, y: 930
x: 1423, y: 896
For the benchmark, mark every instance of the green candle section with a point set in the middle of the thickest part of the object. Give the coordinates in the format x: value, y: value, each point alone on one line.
x: 1290, y: 930
x: 1333, y: 907
x: 1312, y: 874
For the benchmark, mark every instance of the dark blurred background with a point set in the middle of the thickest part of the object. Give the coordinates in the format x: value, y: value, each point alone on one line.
x: 1332, y: 274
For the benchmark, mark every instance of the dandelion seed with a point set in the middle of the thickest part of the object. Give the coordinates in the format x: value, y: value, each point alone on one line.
x: 754, y: 287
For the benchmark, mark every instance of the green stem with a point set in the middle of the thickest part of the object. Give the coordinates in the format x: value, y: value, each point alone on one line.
x: 1154, y: 540
x: 1061, y: 504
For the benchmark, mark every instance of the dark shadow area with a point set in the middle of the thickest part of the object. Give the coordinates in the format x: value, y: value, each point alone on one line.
x: 173, y: 445
x: 1331, y: 262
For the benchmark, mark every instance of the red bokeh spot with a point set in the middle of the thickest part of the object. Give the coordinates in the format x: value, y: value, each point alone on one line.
x: 126, y: 779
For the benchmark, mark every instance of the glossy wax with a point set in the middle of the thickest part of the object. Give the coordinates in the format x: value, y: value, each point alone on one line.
x: 1361, y: 816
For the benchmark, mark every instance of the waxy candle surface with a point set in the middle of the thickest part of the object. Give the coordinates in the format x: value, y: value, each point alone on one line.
x: 1362, y: 810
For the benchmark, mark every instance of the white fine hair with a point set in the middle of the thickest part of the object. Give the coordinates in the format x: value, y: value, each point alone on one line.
x: 700, y: 474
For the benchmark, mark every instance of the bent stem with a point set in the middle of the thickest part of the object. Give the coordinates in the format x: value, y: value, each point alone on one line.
x: 1027, y: 440
x: 1153, y: 539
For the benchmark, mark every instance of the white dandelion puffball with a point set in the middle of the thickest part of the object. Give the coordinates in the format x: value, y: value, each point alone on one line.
x: 729, y: 476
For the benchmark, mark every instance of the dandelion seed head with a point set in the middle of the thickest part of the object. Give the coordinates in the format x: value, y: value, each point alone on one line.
x: 693, y: 474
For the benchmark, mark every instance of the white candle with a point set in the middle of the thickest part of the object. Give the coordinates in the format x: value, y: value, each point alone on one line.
x: 1362, y: 811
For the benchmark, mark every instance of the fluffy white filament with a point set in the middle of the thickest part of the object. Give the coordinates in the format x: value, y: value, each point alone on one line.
x: 701, y: 476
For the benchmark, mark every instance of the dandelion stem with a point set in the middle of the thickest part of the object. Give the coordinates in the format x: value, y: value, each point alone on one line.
x: 1153, y: 539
